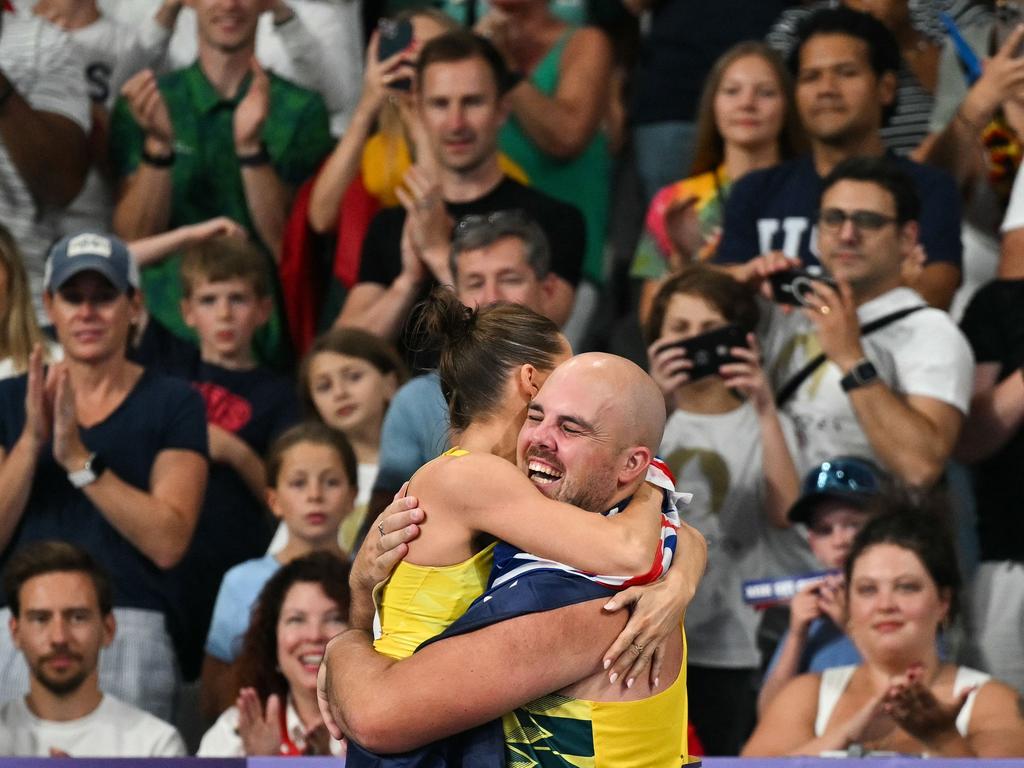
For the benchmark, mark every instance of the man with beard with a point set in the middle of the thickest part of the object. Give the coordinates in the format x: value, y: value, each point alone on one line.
x: 61, y: 616
x: 844, y: 65
x: 536, y: 663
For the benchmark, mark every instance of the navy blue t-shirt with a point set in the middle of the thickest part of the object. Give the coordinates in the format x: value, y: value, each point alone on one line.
x: 234, y: 525
x: 159, y: 413
x: 775, y: 210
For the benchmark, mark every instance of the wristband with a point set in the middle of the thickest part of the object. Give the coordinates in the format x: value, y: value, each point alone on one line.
x: 158, y: 161
x: 261, y: 157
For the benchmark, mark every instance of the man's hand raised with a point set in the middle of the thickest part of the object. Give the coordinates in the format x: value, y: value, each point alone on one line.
x: 252, y: 112
x: 150, y: 111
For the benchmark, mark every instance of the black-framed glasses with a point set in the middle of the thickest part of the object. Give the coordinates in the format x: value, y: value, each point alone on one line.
x: 833, y: 219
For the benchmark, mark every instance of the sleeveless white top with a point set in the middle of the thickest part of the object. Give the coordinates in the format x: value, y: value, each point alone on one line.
x: 835, y: 680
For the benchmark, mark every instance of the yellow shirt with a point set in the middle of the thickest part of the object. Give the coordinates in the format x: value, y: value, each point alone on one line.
x: 558, y: 731
x: 421, y: 601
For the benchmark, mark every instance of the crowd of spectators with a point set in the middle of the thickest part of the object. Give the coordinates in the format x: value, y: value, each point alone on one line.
x: 223, y: 226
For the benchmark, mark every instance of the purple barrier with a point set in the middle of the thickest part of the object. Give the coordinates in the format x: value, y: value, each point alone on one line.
x: 331, y: 762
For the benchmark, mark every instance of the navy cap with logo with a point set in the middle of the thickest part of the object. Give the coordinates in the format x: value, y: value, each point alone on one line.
x: 850, y: 479
x: 90, y: 251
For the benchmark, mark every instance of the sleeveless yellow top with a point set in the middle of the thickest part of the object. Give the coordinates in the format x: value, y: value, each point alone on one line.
x: 556, y: 731
x: 420, y: 601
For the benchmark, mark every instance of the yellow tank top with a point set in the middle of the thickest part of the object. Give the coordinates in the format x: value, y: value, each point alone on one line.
x: 420, y: 601
x: 556, y: 731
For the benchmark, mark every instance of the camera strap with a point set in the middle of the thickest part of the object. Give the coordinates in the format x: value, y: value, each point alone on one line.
x: 790, y: 387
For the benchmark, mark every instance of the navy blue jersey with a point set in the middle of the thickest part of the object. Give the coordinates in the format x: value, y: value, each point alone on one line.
x: 775, y: 210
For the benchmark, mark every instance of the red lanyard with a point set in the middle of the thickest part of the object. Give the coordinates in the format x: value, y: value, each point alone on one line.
x: 288, y: 747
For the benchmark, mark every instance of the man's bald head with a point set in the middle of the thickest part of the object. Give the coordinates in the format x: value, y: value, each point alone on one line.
x: 591, y: 430
x: 633, y: 397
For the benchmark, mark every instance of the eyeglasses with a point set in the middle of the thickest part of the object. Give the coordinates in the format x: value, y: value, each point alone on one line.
x: 473, y: 220
x: 833, y: 219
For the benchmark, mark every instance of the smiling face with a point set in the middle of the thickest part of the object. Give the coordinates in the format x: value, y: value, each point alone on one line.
x: 225, y: 314
x: 91, y: 317
x: 227, y: 25
x: 60, y: 630
x: 895, y: 608
x: 749, y: 104
x: 839, y: 97
x: 313, y: 494
x: 462, y: 113
x: 308, y: 620
x: 569, y: 445
x: 870, y: 260
x: 350, y: 393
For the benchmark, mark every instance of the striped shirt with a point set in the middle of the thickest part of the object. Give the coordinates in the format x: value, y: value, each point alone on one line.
x: 906, y: 125
x: 41, y: 64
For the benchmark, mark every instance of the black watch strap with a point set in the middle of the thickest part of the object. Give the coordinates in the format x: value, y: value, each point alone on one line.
x: 864, y: 372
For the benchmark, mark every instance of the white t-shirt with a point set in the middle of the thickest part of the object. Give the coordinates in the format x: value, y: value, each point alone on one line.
x: 46, y: 69
x: 113, y: 729
x: 718, y: 458
x: 111, y: 53
x: 222, y: 740
x: 922, y: 354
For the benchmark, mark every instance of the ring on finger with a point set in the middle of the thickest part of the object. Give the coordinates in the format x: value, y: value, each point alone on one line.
x: 824, y: 309
x: 637, y: 648
x: 380, y: 527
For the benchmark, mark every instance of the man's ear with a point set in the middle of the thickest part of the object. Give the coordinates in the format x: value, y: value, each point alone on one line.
x: 908, y: 235
x: 887, y: 88
x: 12, y: 626
x: 390, y: 386
x: 637, y: 459
x: 109, y: 629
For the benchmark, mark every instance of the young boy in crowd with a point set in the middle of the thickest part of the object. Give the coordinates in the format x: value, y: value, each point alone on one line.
x: 833, y: 506
x: 226, y: 299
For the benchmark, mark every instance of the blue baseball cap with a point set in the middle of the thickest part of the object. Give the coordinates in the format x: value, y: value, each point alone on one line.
x: 850, y: 479
x: 105, y: 254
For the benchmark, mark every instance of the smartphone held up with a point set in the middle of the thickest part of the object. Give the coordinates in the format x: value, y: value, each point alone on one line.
x: 395, y: 37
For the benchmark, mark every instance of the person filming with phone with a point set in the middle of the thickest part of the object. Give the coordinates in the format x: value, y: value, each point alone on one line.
x: 724, y: 442
x: 864, y: 367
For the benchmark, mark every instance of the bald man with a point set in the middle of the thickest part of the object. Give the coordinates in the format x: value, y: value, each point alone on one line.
x: 588, y: 439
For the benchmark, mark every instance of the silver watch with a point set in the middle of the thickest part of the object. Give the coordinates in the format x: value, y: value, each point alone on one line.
x: 93, y: 468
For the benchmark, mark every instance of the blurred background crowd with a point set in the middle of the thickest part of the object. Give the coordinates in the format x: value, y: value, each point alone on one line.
x: 219, y: 218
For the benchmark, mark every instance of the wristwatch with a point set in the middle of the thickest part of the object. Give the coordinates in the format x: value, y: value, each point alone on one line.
x: 94, y: 467
x: 864, y: 372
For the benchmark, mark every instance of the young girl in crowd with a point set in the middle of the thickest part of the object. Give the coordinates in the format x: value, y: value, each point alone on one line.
x: 726, y: 443
x: 19, y: 330
x: 346, y: 381
x: 746, y: 120
x: 311, y: 473
x: 301, y: 607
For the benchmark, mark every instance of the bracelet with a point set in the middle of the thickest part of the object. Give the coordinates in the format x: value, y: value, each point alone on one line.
x: 261, y: 157
x: 158, y: 161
